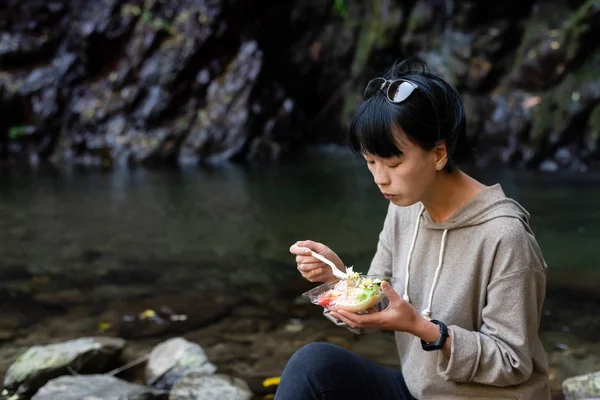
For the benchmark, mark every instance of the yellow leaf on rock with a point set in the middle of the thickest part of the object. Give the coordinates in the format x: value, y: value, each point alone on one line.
x: 271, y: 381
x: 103, y: 326
x: 148, y: 314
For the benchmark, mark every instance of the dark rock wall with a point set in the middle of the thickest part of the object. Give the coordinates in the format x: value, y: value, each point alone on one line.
x: 157, y: 82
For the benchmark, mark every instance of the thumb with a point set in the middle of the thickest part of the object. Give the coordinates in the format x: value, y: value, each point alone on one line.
x: 389, y: 291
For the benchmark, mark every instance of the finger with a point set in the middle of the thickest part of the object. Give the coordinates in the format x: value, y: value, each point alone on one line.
x: 307, y: 260
x: 306, y: 267
x: 311, y: 245
x: 389, y: 291
x: 345, y: 320
x: 298, y: 250
x: 372, y: 310
x: 360, y: 320
x: 312, y: 276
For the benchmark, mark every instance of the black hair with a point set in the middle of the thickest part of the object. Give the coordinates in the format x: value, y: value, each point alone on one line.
x: 432, y: 113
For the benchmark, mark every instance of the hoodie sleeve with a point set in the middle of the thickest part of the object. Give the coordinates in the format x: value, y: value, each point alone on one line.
x: 382, y: 261
x: 501, y: 352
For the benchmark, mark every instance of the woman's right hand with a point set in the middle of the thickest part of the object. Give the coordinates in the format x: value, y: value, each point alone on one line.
x: 311, y: 268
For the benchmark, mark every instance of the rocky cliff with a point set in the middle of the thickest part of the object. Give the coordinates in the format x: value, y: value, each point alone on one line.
x: 159, y: 82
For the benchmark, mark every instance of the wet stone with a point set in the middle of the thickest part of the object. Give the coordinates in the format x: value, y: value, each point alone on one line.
x: 42, y: 363
x: 97, y: 387
x: 196, y: 385
x: 172, y: 359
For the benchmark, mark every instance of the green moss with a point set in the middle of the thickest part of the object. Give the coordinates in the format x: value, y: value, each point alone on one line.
x: 549, y: 23
x: 419, y: 18
x: 182, y: 123
x: 17, y: 131
x: 557, y: 103
x: 159, y: 23
x: 576, y: 26
x: 375, y: 32
x: 129, y: 10
x: 594, y: 123
x: 349, y: 107
x: 340, y: 8
x: 529, y: 37
x: 35, y: 359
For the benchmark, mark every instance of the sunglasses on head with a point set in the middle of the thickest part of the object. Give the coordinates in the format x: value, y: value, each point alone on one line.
x: 396, y: 90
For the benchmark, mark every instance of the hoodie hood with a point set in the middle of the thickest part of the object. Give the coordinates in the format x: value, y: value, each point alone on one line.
x: 490, y: 203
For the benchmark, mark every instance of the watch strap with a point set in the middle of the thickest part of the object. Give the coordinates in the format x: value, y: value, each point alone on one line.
x: 438, y: 344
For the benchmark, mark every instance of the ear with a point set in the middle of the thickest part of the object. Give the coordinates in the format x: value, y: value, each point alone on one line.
x: 441, y: 155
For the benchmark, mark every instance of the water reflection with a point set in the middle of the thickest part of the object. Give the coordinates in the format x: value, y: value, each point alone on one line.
x: 195, y: 222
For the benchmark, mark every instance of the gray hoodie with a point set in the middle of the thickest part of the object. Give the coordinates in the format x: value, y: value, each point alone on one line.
x: 482, y: 273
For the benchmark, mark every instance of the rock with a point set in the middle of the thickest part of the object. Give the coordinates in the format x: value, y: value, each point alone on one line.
x: 96, y: 387
x: 62, y: 70
x: 115, y: 83
x: 507, y: 121
x: 39, y: 364
x: 559, y: 114
x: 170, y: 360
x: 552, y: 43
x: 151, y: 316
x: 197, y: 386
x: 582, y: 387
x: 220, y: 130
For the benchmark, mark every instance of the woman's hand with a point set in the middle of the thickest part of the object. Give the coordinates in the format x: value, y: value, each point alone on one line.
x: 311, y: 268
x: 398, y: 316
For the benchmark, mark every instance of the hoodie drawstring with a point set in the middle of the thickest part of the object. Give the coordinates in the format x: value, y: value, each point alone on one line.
x: 410, y: 251
x: 426, y: 313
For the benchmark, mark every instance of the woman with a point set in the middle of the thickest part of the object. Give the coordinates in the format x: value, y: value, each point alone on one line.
x: 472, y: 277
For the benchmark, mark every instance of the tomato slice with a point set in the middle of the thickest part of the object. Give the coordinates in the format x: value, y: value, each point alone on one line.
x: 326, y: 299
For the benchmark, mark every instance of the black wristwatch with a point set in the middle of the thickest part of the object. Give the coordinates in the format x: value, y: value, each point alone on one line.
x: 438, y: 344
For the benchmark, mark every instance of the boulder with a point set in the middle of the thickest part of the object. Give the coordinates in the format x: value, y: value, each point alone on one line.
x: 170, y: 360
x: 197, y: 386
x: 96, y: 387
x: 582, y: 387
x: 39, y: 364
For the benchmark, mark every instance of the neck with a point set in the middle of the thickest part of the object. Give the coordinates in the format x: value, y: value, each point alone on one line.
x: 449, y: 192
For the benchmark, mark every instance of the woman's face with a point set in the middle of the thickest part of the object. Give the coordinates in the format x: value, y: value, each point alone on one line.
x: 406, y: 179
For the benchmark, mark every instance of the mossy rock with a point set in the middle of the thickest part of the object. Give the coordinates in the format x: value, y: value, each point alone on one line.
x: 551, y: 43
x: 39, y: 364
x: 582, y: 387
x: 572, y: 97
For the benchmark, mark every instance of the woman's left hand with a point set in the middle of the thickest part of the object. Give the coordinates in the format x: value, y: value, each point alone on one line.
x: 398, y: 316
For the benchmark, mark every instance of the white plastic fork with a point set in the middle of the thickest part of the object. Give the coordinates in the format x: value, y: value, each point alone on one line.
x: 336, y: 271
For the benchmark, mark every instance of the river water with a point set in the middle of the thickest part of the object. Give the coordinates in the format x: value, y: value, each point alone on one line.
x: 69, y: 221
x: 116, y: 234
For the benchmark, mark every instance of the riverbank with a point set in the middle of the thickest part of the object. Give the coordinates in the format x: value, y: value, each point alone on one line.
x: 86, y: 253
x: 251, y: 334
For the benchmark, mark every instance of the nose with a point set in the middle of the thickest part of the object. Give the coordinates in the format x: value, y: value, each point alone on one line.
x: 380, y: 176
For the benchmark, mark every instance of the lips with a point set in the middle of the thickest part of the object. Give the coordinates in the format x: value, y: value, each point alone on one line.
x: 388, y: 196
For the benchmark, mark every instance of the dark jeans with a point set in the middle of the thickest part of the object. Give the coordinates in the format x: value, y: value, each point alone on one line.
x: 323, y: 371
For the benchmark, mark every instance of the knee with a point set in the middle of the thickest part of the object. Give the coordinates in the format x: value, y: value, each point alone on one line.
x: 315, y: 357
